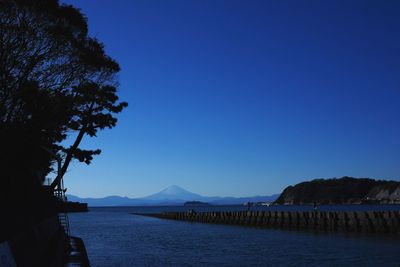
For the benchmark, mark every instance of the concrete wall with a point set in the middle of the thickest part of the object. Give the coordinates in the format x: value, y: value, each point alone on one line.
x: 368, y: 222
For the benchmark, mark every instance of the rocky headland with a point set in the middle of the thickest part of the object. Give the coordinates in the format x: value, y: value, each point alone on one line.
x: 345, y: 190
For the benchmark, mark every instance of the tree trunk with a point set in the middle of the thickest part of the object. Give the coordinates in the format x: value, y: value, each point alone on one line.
x: 68, y: 158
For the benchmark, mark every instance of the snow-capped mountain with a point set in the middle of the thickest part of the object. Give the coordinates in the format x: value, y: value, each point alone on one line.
x: 174, y: 192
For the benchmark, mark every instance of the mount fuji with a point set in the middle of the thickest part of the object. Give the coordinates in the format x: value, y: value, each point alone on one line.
x: 174, y: 192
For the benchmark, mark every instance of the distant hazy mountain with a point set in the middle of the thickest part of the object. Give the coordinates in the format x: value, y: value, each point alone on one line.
x: 174, y: 192
x: 173, y: 195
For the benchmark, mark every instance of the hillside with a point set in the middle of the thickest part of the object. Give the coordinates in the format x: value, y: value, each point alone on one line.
x: 346, y: 190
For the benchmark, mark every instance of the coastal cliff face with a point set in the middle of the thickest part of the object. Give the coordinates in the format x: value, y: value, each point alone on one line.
x: 346, y: 190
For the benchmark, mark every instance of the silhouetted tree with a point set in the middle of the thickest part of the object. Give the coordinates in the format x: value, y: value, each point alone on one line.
x: 96, y: 105
x: 54, y: 80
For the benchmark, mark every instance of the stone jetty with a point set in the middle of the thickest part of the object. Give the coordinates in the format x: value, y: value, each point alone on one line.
x: 363, y: 222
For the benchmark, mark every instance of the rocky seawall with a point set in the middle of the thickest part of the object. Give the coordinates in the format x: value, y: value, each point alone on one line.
x: 386, y: 222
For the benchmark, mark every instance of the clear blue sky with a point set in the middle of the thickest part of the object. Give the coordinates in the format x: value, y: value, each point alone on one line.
x: 244, y: 98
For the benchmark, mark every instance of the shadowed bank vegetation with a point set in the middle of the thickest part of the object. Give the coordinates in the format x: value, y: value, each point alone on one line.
x: 55, y: 82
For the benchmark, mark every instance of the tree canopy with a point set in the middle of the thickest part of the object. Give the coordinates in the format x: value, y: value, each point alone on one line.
x: 55, y: 80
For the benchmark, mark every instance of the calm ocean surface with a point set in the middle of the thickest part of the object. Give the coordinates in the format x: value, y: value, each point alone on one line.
x: 113, y: 237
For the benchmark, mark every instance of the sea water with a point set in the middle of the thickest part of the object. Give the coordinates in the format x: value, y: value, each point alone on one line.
x: 115, y: 237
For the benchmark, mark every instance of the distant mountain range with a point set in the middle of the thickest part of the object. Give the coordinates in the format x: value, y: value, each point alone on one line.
x: 173, y: 195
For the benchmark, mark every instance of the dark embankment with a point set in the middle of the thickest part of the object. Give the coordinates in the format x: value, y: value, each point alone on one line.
x: 73, y: 207
x: 29, y: 226
x: 346, y: 190
x: 30, y: 229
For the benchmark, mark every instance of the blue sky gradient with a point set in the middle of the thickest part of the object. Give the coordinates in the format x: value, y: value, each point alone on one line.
x: 241, y: 98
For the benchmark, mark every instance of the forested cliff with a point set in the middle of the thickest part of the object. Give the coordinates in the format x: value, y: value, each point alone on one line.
x: 345, y: 190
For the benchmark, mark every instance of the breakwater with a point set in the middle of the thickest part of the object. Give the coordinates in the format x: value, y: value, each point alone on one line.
x: 363, y: 222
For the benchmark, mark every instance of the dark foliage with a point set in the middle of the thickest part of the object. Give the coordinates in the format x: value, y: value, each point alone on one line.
x: 55, y: 82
